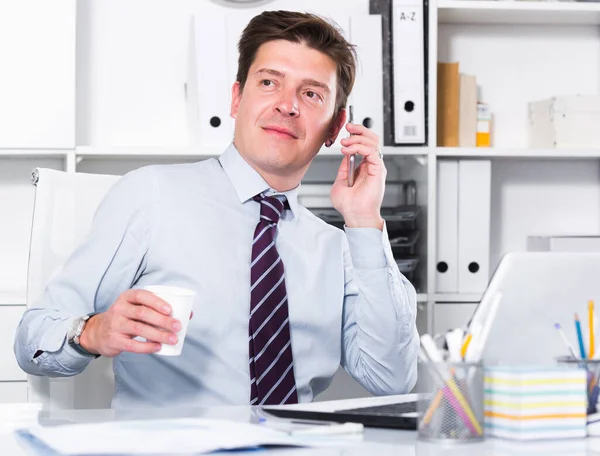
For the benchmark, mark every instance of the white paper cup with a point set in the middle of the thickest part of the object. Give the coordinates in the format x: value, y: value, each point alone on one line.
x: 181, y: 301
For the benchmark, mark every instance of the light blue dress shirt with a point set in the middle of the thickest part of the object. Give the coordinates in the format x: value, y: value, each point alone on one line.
x: 191, y: 226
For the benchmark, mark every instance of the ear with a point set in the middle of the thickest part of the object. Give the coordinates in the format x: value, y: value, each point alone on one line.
x: 236, y: 98
x: 336, y: 126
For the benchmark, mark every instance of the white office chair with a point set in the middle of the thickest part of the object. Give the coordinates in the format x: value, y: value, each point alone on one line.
x: 64, y: 207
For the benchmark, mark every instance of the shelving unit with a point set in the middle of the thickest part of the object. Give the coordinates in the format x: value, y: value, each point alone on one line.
x: 111, y: 152
x: 513, y: 12
x: 52, y: 153
x: 12, y: 298
x: 519, y: 51
x: 493, y: 153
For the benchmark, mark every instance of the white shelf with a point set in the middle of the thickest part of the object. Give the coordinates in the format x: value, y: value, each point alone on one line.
x: 145, y: 151
x: 457, y: 297
x: 421, y: 297
x: 12, y: 298
x: 518, y: 12
x: 204, y: 151
x: 412, y: 151
x: 116, y: 152
x: 483, y: 152
x: 57, y: 153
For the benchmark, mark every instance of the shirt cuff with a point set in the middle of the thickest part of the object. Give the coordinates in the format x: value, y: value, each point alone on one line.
x: 55, y: 341
x: 369, y: 247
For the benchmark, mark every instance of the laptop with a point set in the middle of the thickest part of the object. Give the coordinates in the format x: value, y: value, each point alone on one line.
x: 400, y: 414
x: 538, y: 290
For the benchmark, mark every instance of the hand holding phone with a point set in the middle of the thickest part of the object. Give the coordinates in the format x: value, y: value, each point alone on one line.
x: 357, y: 192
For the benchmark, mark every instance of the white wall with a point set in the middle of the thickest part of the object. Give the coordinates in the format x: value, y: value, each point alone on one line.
x: 132, y: 64
x: 37, y: 74
x: 542, y: 198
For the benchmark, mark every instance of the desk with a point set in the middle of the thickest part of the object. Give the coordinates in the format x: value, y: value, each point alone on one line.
x: 376, y: 442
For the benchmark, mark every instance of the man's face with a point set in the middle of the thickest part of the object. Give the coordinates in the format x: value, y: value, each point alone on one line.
x: 285, y: 111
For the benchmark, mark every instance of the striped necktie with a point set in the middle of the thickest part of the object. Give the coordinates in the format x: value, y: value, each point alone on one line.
x: 271, y: 363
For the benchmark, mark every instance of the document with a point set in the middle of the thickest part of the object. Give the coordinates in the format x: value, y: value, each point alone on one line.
x: 17, y: 415
x: 168, y: 436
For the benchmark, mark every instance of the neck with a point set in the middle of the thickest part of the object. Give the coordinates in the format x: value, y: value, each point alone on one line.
x: 280, y: 179
x: 278, y: 182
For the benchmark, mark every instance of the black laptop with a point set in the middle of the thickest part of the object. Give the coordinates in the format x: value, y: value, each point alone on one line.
x: 400, y: 415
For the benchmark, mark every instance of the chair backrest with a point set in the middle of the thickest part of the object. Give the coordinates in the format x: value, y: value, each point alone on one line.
x: 64, y: 207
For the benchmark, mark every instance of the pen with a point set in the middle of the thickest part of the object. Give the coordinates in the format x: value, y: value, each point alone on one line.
x: 453, y: 393
x: 465, y: 345
x: 453, y: 340
x: 351, y: 158
x: 595, y: 327
x: 431, y: 350
x: 334, y: 429
x: 579, y: 336
x: 592, y: 329
x: 308, y: 427
x: 565, y: 340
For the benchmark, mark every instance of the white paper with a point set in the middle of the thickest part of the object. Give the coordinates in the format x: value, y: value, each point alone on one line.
x: 16, y: 416
x: 186, y: 435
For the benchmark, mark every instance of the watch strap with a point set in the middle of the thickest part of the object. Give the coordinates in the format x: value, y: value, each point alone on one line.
x: 78, y: 348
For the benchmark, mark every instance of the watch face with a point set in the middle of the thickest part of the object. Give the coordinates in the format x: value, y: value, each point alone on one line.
x: 73, y: 329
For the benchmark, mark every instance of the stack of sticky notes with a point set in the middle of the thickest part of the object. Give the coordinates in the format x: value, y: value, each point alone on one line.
x: 529, y: 403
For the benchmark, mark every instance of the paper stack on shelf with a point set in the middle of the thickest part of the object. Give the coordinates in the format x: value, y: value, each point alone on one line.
x: 530, y: 403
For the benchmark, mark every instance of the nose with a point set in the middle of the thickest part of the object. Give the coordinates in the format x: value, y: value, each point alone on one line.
x: 287, y: 104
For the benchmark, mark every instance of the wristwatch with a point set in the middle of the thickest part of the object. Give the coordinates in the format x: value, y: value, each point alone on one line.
x: 74, y: 334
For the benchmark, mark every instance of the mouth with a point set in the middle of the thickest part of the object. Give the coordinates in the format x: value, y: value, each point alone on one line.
x: 280, y: 132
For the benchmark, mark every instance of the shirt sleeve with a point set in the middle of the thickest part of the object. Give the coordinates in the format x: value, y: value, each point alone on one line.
x: 380, y: 341
x: 108, y: 263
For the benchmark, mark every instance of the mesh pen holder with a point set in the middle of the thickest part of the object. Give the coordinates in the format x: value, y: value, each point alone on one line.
x: 592, y: 367
x: 450, y: 403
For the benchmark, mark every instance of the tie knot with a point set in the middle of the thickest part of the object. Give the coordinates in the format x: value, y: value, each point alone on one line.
x: 271, y: 208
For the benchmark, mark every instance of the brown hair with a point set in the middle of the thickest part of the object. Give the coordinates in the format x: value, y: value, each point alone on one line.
x: 309, y: 29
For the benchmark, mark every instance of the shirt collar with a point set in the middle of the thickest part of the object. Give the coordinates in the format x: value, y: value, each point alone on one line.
x: 247, y: 182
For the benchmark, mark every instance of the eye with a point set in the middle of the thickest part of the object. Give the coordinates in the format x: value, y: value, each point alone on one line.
x: 266, y: 82
x: 313, y: 95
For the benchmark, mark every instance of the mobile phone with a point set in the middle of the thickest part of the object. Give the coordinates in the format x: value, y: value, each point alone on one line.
x: 351, y: 158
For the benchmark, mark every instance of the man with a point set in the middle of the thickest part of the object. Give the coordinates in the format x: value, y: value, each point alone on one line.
x: 282, y: 297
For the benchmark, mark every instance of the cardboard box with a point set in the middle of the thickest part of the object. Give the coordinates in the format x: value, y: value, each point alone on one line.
x: 565, y: 122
